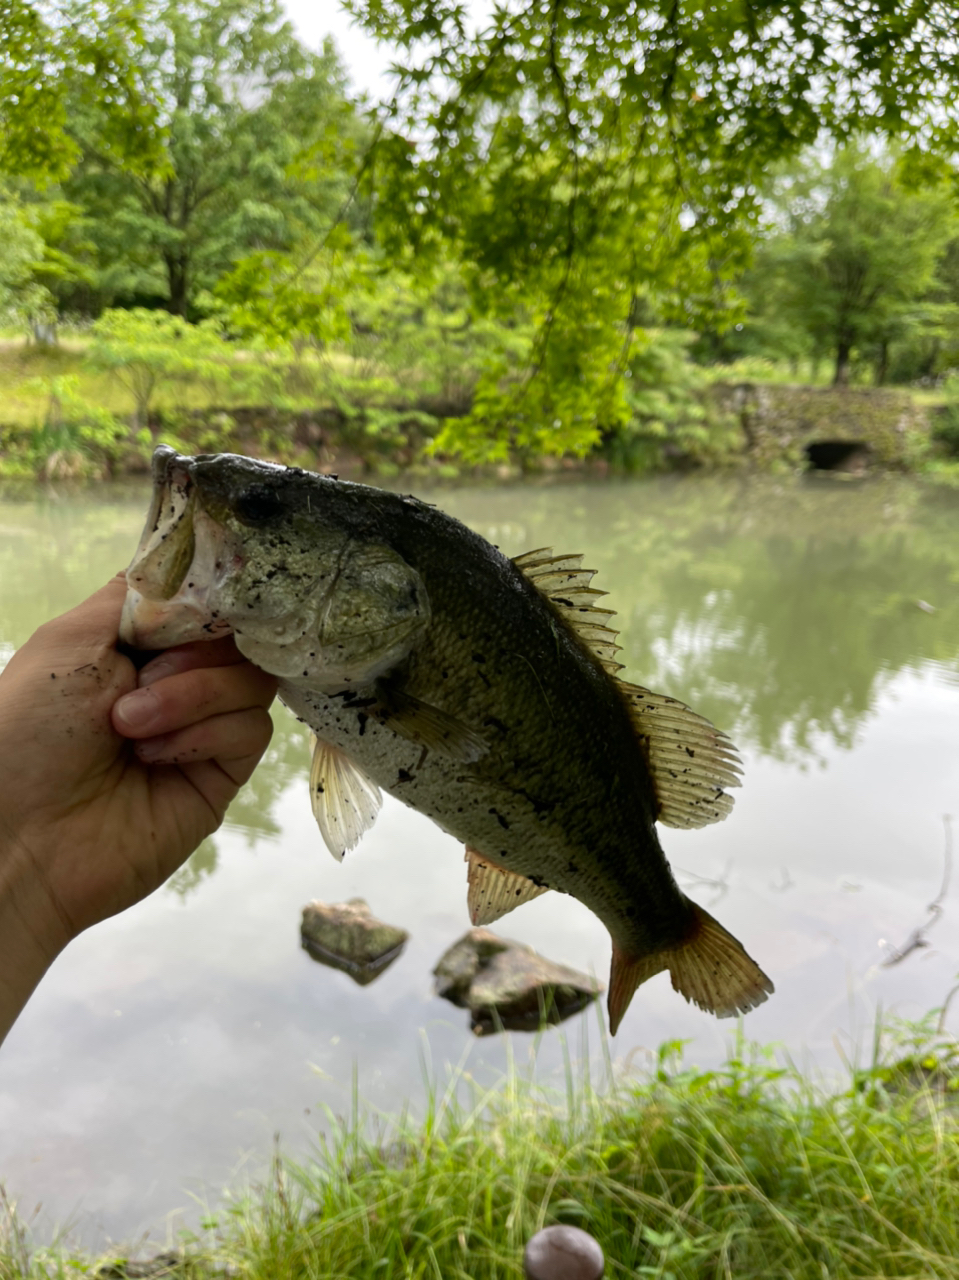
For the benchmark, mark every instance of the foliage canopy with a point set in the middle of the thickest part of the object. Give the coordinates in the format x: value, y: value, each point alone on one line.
x: 582, y: 158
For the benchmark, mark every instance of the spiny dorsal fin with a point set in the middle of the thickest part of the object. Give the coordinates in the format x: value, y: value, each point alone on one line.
x: 345, y: 801
x: 690, y: 760
x: 494, y: 891
x: 565, y: 583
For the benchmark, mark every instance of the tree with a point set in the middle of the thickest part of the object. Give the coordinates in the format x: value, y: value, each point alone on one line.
x: 856, y: 263
x: 55, y: 54
x: 20, y: 296
x: 256, y: 136
x: 579, y: 156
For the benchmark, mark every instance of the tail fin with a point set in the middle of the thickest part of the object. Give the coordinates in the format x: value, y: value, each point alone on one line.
x: 710, y: 968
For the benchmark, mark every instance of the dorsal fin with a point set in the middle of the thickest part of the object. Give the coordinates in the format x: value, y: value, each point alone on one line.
x: 690, y: 760
x: 565, y: 583
x: 493, y: 890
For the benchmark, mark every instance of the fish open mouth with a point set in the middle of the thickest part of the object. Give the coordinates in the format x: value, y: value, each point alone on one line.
x: 177, y: 566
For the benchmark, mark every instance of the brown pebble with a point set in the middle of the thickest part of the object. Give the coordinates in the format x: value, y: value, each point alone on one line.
x: 563, y: 1253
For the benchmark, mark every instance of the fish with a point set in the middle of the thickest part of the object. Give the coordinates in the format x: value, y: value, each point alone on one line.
x: 482, y: 691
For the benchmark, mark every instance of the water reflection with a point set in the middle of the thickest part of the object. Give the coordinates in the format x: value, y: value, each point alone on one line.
x: 186, y: 1031
x: 780, y: 611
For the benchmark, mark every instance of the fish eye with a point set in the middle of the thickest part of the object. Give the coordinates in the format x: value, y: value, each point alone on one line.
x: 258, y: 505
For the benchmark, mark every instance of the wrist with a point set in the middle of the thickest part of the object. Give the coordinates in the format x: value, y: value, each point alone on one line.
x: 32, y: 934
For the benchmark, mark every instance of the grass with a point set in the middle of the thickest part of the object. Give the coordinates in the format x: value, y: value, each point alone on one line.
x: 63, y: 417
x: 748, y: 1171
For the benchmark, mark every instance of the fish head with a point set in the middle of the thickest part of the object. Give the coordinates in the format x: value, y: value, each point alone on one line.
x: 296, y: 566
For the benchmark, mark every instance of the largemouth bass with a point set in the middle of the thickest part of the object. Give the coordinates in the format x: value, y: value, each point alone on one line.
x: 481, y: 691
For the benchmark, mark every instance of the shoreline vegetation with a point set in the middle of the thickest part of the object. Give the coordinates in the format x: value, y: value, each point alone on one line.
x: 750, y: 1171
x: 95, y: 405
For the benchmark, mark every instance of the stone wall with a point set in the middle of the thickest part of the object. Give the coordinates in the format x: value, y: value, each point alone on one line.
x: 779, y: 422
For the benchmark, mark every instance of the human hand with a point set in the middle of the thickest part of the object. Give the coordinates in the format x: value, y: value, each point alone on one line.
x: 109, y: 777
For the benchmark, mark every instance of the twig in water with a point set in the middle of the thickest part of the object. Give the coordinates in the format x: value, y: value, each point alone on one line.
x: 719, y: 885
x: 918, y: 937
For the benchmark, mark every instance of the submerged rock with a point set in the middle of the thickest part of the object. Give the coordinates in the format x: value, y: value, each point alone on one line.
x: 505, y: 983
x: 347, y: 936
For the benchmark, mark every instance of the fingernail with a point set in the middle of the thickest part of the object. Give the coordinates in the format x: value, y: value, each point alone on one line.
x: 138, y: 710
x: 157, y: 670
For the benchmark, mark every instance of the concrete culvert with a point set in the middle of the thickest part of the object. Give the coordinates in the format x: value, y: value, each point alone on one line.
x: 838, y: 455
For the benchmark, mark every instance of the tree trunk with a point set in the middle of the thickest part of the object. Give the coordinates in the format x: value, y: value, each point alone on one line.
x: 843, y: 351
x: 178, y: 279
x: 882, y: 363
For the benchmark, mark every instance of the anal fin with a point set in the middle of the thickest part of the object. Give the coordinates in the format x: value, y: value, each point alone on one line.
x: 711, y: 969
x: 493, y: 890
x: 345, y: 801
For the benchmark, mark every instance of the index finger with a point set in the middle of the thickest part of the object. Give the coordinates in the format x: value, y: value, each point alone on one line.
x: 191, y: 657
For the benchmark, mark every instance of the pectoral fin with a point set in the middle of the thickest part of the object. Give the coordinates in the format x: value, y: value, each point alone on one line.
x: 345, y: 801
x: 429, y: 726
x: 494, y: 891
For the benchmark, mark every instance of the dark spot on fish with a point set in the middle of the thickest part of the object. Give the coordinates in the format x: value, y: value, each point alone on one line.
x: 539, y: 882
x: 306, y: 673
x: 562, y: 600
x: 496, y: 724
x: 479, y: 657
x: 312, y: 654
x: 53, y: 675
x: 404, y: 775
x: 258, y: 505
x: 572, y: 868
x: 485, y: 678
x: 542, y: 807
x: 500, y: 819
x: 319, y: 788
x: 503, y: 853
x: 362, y: 718
x: 690, y: 752
x: 445, y: 675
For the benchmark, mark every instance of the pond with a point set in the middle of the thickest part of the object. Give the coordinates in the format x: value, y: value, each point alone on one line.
x: 816, y: 621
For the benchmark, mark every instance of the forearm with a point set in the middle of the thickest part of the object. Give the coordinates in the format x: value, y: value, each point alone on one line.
x: 30, y: 935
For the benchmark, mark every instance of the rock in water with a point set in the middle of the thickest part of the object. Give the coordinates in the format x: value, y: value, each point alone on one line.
x: 563, y: 1253
x: 347, y: 936
x: 504, y: 983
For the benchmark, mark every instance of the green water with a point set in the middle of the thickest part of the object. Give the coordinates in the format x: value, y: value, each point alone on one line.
x: 817, y: 622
